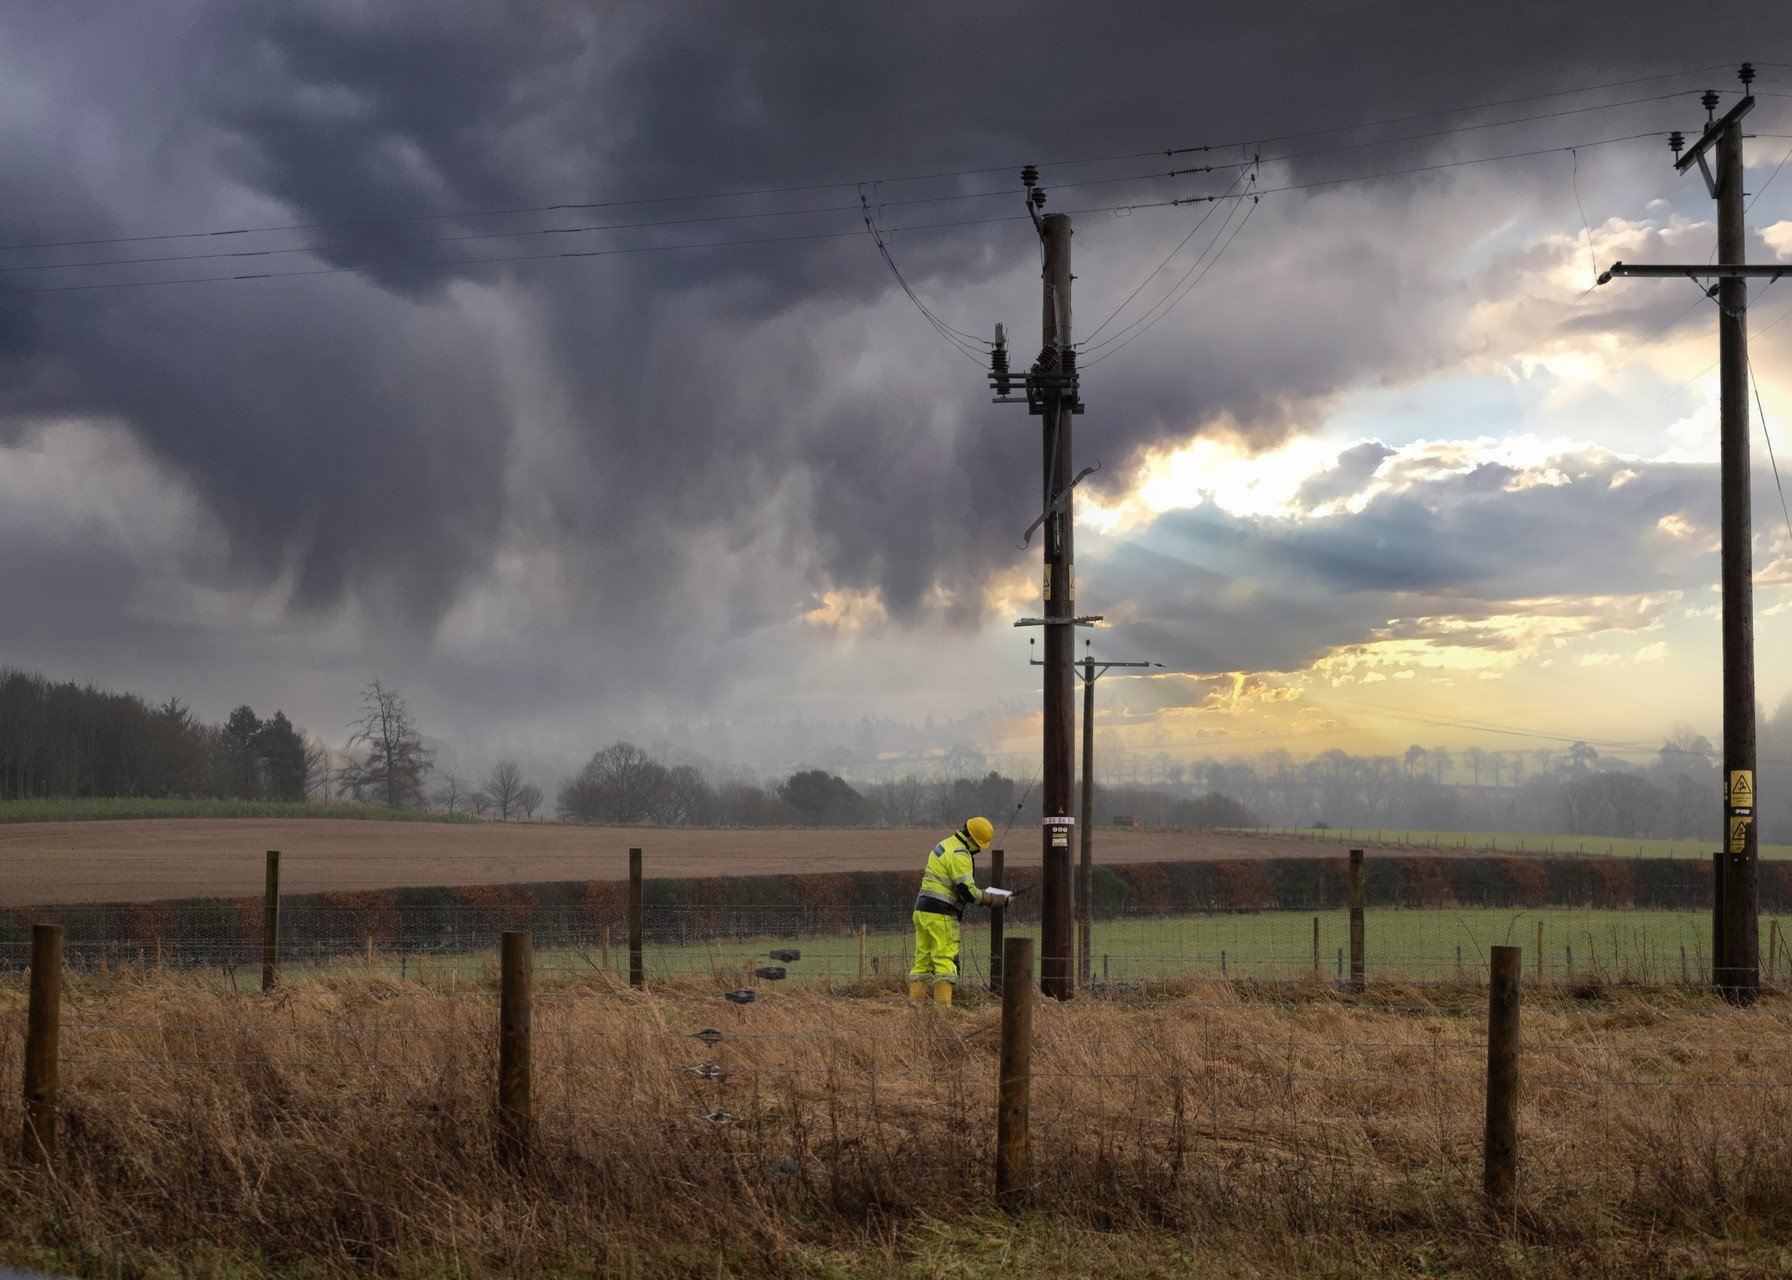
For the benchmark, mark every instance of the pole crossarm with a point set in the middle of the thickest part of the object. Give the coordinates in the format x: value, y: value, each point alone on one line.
x: 1694, y: 271
x: 1095, y: 668
x: 1713, y: 133
x: 1087, y: 620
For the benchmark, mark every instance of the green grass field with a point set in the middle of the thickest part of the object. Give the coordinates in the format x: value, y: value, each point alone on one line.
x: 1512, y: 842
x: 1611, y: 945
x: 77, y: 810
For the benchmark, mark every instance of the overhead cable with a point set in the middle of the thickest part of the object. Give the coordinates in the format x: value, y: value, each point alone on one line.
x: 965, y: 344
x: 845, y: 184
x: 1177, y: 293
x: 1152, y: 274
x: 785, y: 239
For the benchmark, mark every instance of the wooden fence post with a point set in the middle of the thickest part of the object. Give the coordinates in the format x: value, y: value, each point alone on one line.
x: 1358, y: 979
x: 516, y: 987
x: 998, y: 920
x: 637, y: 972
x: 43, y: 1033
x: 862, y: 929
x: 270, y: 924
x: 1014, y: 1085
x: 1499, y: 1155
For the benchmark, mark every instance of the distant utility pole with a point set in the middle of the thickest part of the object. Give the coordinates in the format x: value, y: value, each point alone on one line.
x: 1735, y: 909
x: 1092, y: 671
x: 1051, y: 394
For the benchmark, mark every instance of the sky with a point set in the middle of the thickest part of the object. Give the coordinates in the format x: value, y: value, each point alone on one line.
x: 1378, y: 464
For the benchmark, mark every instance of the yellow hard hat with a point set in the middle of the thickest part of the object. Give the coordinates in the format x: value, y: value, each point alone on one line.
x: 980, y: 830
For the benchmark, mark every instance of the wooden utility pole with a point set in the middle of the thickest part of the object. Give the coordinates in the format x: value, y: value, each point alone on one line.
x: 1085, y: 811
x: 1092, y: 670
x: 1051, y: 387
x: 1735, y: 918
x: 1060, y: 601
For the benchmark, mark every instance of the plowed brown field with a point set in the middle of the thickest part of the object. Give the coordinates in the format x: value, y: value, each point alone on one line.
x: 140, y: 859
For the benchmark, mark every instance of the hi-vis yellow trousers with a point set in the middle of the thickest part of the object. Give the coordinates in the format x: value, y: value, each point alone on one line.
x: 936, y: 948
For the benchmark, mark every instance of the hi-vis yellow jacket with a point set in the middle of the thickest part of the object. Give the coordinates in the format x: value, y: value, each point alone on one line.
x: 948, y: 885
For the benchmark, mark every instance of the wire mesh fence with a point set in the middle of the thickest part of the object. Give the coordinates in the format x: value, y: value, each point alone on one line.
x: 457, y: 942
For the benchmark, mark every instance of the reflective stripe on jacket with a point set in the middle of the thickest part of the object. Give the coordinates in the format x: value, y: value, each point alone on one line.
x: 949, y: 884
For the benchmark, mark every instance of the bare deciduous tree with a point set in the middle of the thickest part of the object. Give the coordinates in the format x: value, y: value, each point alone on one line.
x: 529, y: 798
x: 396, y: 760
x: 504, y: 784
x: 453, y: 792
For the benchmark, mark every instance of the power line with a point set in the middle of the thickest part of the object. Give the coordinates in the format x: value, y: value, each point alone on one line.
x: 1481, y: 106
x: 756, y: 214
x: 1761, y: 412
x: 1152, y: 274
x: 963, y: 343
x: 506, y: 258
x: 1439, y: 133
x: 852, y: 183
x: 821, y: 235
x: 1430, y: 168
x: 554, y: 231
x: 1574, y: 178
x: 1140, y: 326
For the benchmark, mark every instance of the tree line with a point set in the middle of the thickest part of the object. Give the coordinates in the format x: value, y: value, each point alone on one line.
x: 624, y: 784
x: 62, y: 739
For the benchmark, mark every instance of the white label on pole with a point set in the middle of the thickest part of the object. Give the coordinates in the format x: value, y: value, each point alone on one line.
x: 1060, y: 822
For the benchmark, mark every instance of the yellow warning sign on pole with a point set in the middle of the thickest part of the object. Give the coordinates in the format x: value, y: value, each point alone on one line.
x: 1738, y: 833
x: 1742, y: 789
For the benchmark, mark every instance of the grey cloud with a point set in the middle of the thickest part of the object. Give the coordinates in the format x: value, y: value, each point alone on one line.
x: 725, y: 431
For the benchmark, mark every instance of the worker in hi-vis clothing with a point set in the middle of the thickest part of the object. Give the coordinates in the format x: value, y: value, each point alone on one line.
x: 948, y: 886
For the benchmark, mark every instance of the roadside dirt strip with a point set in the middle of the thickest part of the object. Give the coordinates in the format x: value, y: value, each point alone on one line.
x: 143, y: 859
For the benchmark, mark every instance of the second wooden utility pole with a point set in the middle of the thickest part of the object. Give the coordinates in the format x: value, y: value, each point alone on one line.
x: 1085, y: 872
x: 1735, y: 918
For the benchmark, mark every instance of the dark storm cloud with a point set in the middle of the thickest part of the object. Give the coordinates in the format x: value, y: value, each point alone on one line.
x: 731, y: 430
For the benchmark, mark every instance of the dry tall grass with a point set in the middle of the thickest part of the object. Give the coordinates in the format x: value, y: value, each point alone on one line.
x: 344, y: 1127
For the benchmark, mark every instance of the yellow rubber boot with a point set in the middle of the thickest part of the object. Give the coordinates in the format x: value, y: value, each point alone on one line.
x: 942, y: 994
x: 917, y: 990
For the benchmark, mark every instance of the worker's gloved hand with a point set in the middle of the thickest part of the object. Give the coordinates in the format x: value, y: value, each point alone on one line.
x: 997, y: 897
